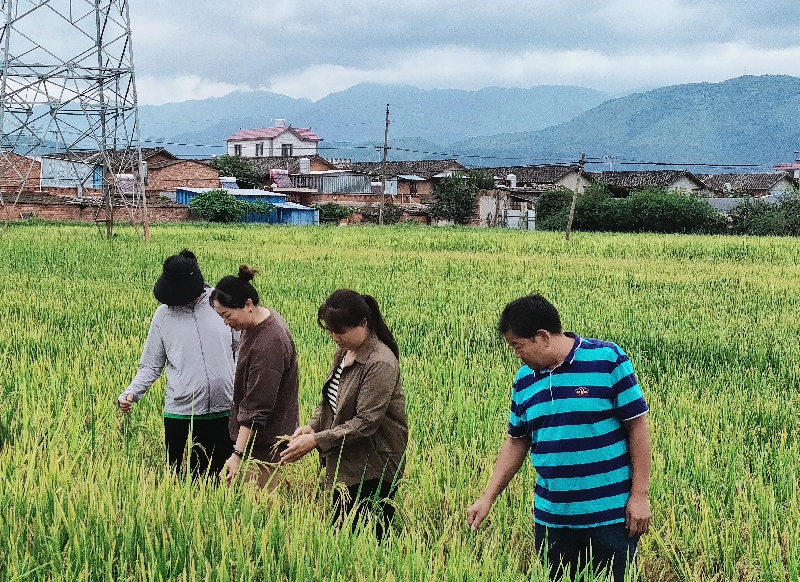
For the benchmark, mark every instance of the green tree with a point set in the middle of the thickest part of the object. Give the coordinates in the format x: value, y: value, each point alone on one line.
x: 552, y: 210
x: 331, y: 212
x: 391, y: 213
x: 218, y: 206
x: 455, y: 198
x: 239, y: 167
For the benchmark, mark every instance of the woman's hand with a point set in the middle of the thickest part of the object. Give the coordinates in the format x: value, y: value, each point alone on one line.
x: 231, y: 468
x: 125, y: 404
x: 303, y: 442
x: 302, y: 430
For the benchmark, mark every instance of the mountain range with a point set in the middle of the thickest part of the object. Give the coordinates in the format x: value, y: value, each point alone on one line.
x: 747, y: 120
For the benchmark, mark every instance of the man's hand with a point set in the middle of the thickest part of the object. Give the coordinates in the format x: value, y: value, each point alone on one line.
x: 478, y: 512
x: 637, y: 515
x: 301, y: 444
x: 126, y: 404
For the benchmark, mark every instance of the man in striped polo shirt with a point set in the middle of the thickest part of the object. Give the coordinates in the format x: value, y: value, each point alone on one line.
x: 577, y: 408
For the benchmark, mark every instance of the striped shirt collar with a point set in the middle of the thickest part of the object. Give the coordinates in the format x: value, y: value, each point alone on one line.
x: 570, y: 356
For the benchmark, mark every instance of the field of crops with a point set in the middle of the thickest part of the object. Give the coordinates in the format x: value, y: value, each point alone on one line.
x: 712, y: 326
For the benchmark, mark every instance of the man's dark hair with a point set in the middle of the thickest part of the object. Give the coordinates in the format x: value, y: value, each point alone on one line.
x: 525, y: 316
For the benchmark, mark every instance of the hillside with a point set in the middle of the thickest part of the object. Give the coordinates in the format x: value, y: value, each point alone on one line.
x: 747, y: 120
x: 438, y: 116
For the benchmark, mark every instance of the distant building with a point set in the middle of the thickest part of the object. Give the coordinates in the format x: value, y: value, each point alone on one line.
x: 792, y: 169
x: 621, y: 184
x: 411, y: 181
x: 164, y: 177
x: 538, y: 179
x: 761, y: 184
x: 279, y: 141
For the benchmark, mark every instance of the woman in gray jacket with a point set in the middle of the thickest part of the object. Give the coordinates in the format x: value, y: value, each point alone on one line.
x: 360, y: 426
x: 198, y: 350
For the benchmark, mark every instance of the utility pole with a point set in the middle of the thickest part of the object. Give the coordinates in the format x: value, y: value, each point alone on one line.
x: 383, y: 169
x: 575, y: 195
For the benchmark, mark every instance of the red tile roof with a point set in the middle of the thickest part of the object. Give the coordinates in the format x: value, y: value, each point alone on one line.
x: 272, y: 132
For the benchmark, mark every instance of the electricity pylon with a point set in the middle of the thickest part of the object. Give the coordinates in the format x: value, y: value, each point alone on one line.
x: 68, y: 98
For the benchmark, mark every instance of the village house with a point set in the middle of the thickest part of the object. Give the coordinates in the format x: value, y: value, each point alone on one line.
x: 306, y: 179
x: 538, y: 179
x: 621, y: 184
x: 749, y: 185
x: 164, y: 177
x: 792, y: 169
x: 518, y: 187
x: 74, y: 174
x: 70, y: 186
x: 282, y: 140
x: 412, y: 182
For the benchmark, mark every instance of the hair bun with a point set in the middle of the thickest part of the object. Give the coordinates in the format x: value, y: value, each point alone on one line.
x: 246, y: 274
x: 187, y: 254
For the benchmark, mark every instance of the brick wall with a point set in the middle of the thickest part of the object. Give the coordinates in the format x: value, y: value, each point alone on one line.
x: 184, y: 174
x: 311, y: 198
x: 19, y: 173
x: 77, y: 213
x: 423, y: 190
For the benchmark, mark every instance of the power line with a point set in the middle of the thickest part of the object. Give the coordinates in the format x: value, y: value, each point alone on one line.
x: 528, y: 159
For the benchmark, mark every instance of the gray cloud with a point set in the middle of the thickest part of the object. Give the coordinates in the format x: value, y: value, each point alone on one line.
x: 326, y: 45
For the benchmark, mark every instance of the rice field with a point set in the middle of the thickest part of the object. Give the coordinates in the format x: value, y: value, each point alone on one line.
x: 712, y: 325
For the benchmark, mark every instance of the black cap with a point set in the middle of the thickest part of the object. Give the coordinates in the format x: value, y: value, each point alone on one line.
x: 181, y: 282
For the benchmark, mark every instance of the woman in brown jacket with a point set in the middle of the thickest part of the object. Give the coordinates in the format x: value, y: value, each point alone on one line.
x: 265, y: 389
x: 360, y: 426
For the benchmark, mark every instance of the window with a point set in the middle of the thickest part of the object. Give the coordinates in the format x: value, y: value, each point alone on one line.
x: 412, y: 188
x: 286, y: 150
x: 237, y: 150
x: 259, y: 150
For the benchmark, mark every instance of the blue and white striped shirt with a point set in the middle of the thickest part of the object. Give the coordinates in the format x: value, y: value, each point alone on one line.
x: 579, y: 448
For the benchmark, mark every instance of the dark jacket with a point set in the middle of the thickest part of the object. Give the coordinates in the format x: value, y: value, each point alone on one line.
x: 367, y: 437
x: 265, y: 389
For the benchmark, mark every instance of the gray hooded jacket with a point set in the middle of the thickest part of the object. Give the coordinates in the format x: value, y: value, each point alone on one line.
x: 199, y: 352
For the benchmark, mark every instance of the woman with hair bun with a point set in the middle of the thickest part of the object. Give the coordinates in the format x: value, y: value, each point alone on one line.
x: 360, y: 426
x: 265, y: 389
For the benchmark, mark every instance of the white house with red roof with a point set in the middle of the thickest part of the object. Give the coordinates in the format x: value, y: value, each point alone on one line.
x: 279, y: 141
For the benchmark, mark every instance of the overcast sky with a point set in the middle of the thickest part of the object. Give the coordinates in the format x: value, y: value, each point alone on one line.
x: 194, y: 49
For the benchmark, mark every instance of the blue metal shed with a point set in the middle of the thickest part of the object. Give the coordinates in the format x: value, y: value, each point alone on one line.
x: 284, y: 212
x: 185, y: 195
x: 297, y: 214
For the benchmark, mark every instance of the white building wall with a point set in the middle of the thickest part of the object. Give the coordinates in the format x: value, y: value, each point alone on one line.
x: 273, y: 147
x: 570, y: 180
x: 684, y: 184
x: 783, y: 185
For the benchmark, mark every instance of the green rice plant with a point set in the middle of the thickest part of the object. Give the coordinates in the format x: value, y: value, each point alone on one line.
x: 710, y: 324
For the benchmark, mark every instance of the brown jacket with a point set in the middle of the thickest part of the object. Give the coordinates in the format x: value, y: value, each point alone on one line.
x: 265, y: 389
x: 367, y: 437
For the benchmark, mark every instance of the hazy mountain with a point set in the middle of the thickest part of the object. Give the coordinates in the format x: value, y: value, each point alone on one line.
x: 438, y: 116
x: 747, y: 120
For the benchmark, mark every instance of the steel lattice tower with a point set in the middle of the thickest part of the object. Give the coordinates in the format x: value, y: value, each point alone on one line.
x: 68, y: 93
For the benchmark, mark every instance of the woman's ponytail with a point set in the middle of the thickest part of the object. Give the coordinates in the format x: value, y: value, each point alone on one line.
x: 378, y: 325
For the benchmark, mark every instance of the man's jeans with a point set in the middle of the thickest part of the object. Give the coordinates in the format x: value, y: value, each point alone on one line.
x: 608, y: 547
